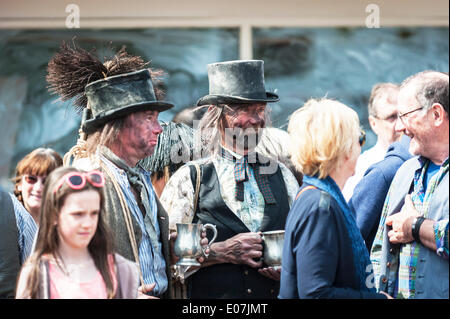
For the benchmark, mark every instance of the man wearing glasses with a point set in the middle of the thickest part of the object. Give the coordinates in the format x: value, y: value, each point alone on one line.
x: 410, y: 250
x: 382, y: 110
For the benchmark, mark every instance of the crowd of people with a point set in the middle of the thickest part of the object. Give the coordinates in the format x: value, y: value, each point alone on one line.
x: 100, y: 222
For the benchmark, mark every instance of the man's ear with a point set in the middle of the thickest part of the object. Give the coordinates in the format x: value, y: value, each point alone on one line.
x: 438, y: 114
x: 373, y: 124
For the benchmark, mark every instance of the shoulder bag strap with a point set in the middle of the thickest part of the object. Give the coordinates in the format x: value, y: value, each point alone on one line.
x: 305, y: 189
x: 128, y: 219
x: 197, y: 186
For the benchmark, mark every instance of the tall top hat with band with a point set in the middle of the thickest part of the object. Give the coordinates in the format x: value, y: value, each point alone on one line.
x: 119, y: 95
x: 234, y: 82
x: 104, y: 91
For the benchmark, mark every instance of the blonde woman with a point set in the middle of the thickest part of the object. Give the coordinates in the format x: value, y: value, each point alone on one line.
x: 324, y: 255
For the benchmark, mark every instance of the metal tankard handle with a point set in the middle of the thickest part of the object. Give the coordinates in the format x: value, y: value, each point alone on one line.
x: 263, y: 243
x: 214, y: 229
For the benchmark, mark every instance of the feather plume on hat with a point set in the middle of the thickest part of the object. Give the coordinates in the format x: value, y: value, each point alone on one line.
x: 72, y: 68
x: 173, y: 150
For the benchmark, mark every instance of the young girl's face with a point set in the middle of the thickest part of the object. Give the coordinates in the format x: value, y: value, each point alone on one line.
x: 78, y: 218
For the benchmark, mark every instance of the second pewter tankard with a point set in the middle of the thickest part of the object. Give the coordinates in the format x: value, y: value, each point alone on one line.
x: 273, y: 248
x: 187, y: 245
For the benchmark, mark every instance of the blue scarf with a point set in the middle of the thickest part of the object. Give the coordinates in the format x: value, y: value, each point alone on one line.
x: 361, y: 257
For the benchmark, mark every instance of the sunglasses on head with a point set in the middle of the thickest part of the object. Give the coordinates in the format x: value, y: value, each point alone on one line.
x: 77, y: 180
x: 362, y: 138
x: 33, y: 179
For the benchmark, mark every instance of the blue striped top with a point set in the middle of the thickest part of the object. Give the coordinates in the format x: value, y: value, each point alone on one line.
x: 26, y: 227
x: 151, y: 259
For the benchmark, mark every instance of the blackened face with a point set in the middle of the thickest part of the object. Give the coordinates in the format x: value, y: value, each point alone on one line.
x: 142, y: 130
x: 242, y: 126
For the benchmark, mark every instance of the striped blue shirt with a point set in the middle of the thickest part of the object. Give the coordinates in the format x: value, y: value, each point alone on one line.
x: 26, y: 227
x: 151, y: 259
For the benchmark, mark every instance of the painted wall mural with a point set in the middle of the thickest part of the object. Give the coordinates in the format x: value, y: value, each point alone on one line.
x: 300, y: 63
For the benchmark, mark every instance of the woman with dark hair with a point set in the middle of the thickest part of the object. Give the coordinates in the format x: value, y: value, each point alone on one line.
x: 31, y: 173
x: 73, y: 256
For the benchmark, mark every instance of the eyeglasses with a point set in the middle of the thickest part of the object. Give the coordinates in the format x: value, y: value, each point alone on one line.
x: 235, y: 110
x: 391, y: 118
x: 362, y: 138
x: 77, y: 180
x: 402, y: 115
x: 33, y: 179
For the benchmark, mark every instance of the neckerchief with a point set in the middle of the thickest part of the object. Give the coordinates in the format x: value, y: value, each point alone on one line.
x: 240, y: 175
x: 133, y: 174
x: 360, y: 254
x: 136, y: 180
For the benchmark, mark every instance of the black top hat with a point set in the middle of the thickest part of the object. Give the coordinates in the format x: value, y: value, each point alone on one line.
x: 237, y: 82
x: 119, y: 95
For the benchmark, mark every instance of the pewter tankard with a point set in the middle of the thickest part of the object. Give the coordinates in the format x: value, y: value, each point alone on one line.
x: 187, y: 245
x: 273, y: 248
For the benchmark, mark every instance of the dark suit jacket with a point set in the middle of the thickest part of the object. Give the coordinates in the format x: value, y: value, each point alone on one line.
x: 9, y: 247
x: 369, y: 194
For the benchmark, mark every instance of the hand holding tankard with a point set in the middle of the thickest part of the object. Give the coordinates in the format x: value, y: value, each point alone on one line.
x: 273, y: 248
x: 188, y: 243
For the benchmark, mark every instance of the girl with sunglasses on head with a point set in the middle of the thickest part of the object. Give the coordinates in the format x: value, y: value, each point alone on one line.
x: 31, y: 173
x: 73, y: 256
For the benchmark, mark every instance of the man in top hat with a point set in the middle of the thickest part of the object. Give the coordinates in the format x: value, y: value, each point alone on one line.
x: 240, y: 191
x: 120, y: 119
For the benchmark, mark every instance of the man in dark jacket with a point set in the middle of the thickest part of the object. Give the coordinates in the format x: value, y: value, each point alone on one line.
x: 369, y: 194
x: 17, y: 229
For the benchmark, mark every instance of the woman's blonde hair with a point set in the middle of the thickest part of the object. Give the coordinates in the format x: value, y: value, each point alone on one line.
x: 322, y: 132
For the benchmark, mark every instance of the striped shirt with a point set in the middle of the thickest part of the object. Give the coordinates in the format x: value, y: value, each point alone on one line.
x: 27, y: 229
x: 151, y: 259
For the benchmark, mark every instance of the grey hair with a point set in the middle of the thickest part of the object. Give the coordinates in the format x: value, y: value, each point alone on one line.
x: 432, y: 87
x: 207, y: 132
x: 379, y: 90
x: 106, y: 135
x: 207, y: 136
